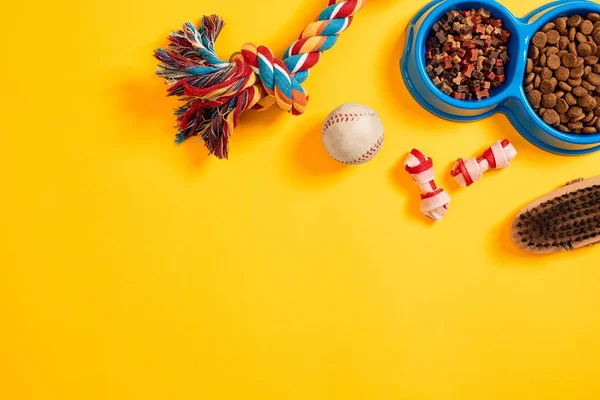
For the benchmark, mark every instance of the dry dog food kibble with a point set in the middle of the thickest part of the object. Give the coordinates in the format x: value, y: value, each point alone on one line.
x: 562, y: 76
x: 466, y: 54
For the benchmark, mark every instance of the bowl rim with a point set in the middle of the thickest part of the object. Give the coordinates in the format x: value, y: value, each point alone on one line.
x: 433, y: 11
x: 548, y: 13
x: 498, y: 10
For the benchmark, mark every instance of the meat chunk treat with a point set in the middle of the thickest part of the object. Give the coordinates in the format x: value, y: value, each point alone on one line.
x: 466, y: 54
x: 562, y: 77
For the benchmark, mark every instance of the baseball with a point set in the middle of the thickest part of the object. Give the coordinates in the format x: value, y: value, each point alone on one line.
x: 352, y: 134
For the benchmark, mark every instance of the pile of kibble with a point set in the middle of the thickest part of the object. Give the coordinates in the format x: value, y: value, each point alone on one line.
x: 466, y: 53
x: 562, y: 79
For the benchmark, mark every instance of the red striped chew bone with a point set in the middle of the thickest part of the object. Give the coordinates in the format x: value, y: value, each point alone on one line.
x: 499, y: 155
x: 434, y: 200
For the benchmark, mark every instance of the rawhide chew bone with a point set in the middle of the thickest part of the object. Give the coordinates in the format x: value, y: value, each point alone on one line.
x: 434, y: 201
x: 499, y: 155
x: 217, y: 92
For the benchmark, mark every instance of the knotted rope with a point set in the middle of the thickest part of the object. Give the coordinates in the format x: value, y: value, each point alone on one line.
x: 216, y: 92
x: 434, y: 201
x: 499, y: 155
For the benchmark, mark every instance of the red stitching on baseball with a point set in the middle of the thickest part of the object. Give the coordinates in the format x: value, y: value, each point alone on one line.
x: 338, y: 118
x: 366, y: 155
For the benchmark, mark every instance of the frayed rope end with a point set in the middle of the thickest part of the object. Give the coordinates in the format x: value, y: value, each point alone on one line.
x: 215, y: 92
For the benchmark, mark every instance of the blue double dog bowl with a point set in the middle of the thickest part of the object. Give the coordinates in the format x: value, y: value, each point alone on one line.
x: 510, y: 98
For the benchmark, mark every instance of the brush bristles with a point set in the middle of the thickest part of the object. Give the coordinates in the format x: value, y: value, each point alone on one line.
x: 563, y: 221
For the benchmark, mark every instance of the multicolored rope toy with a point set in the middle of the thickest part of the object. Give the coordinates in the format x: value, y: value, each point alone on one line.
x: 217, y: 92
x: 499, y: 155
x: 434, y: 201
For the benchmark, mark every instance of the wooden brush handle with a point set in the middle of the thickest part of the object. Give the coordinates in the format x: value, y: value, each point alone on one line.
x: 572, y: 186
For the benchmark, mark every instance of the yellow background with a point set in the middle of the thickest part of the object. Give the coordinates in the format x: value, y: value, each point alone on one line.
x: 135, y: 269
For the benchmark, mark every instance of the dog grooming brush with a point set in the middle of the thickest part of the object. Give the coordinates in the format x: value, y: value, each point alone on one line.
x: 566, y: 219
